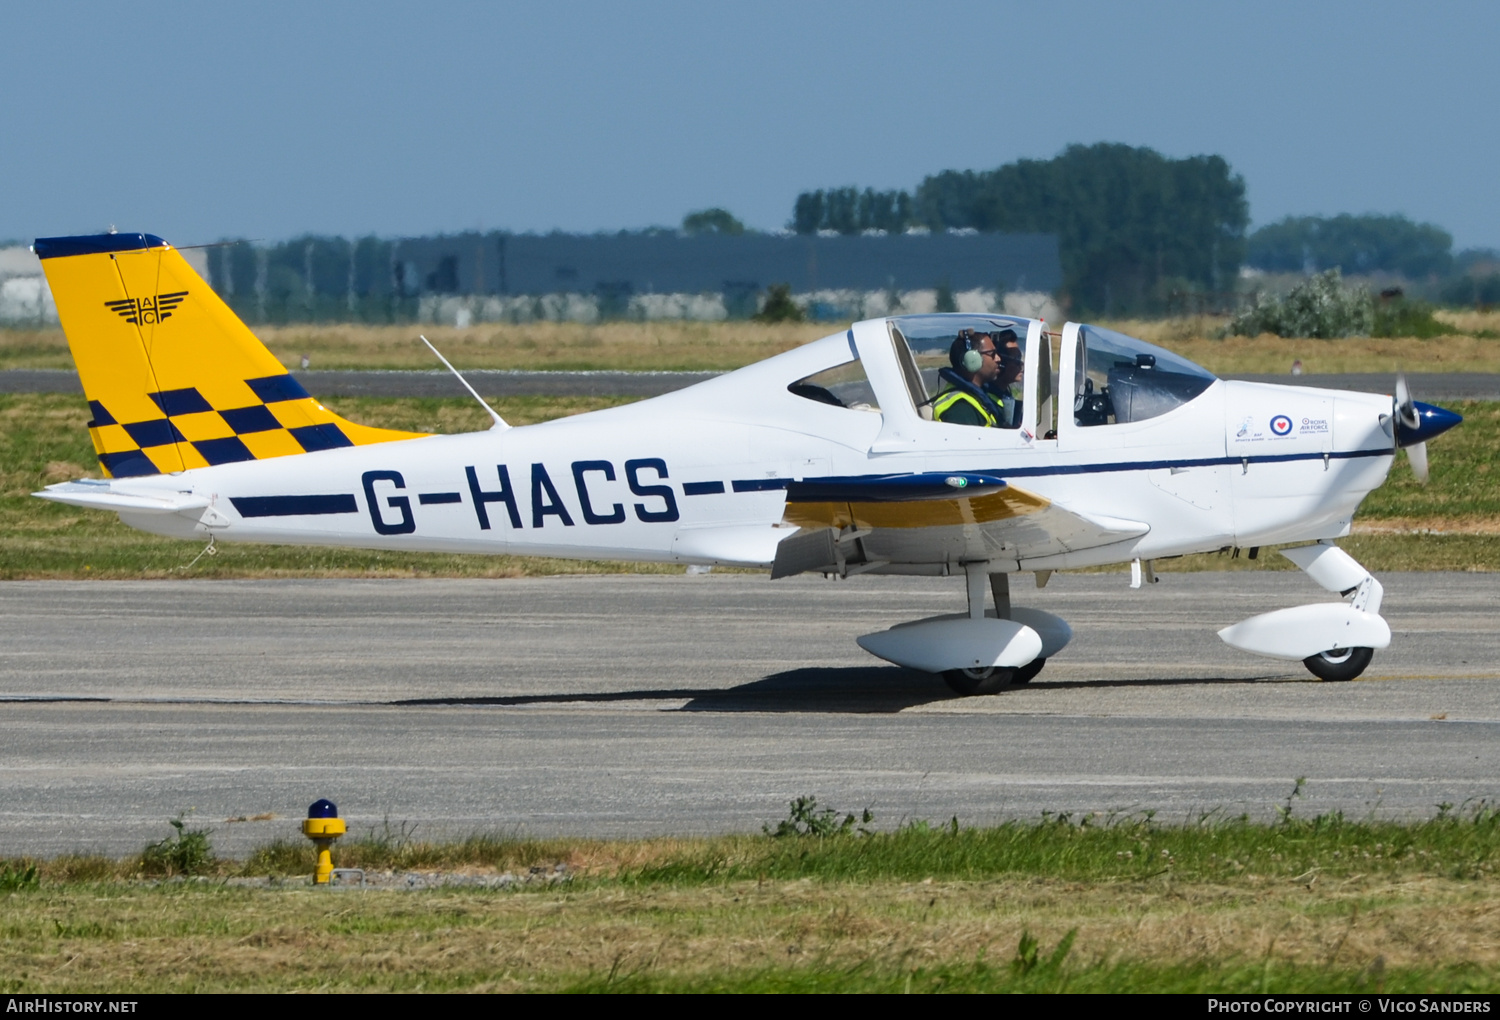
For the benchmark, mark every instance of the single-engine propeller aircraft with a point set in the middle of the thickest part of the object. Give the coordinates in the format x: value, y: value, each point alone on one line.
x: 827, y: 458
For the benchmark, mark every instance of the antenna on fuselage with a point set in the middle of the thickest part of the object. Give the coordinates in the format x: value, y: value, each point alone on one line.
x: 500, y: 422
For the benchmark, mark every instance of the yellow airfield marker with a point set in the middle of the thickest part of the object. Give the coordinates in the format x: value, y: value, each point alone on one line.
x: 323, y: 825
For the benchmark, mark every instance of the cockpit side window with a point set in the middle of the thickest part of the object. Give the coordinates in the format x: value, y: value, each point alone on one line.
x: 909, y: 372
x: 922, y: 343
x: 843, y: 385
x: 1121, y: 379
x: 1044, y: 383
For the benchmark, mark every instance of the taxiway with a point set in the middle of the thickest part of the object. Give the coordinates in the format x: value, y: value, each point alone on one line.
x: 636, y: 704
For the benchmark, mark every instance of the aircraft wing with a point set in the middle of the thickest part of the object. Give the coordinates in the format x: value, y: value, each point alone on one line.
x: 876, y: 522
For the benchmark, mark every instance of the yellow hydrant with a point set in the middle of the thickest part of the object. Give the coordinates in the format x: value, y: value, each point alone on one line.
x: 323, y: 825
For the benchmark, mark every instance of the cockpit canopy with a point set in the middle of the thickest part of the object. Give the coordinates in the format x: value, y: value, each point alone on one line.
x: 1117, y: 379
x: 1120, y: 379
x: 923, y: 344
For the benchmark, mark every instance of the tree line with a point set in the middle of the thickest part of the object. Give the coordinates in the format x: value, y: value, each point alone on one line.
x: 1134, y: 227
x: 1139, y: 232
x: 1352, y: 244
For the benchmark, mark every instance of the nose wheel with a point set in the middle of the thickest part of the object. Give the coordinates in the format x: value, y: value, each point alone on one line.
x: 1340, y: 664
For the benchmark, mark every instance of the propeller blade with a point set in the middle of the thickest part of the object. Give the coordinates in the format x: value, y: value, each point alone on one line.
x: 1406, y: 407
x: 1417, y: 454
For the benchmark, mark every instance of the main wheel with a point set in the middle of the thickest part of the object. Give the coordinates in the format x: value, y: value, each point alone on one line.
x: 1343, y: 664
x: 978, y: 681
x: 1028, y: 672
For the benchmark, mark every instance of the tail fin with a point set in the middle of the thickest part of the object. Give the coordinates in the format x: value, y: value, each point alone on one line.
x: 174, y: 379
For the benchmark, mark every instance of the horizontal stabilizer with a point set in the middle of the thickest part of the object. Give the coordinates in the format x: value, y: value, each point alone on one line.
x: 103, y: 495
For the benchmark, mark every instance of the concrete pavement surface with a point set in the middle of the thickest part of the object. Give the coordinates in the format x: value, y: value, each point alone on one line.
x: 633, y: 705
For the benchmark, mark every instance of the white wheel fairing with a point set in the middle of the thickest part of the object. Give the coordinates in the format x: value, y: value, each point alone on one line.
x: 1303, y: 631
x: 948, y: 643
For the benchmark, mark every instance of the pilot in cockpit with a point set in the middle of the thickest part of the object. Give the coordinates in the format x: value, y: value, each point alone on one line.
x: 986, y: 369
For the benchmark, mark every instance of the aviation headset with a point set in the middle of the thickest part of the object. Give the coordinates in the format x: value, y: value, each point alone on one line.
x: 964, y: 354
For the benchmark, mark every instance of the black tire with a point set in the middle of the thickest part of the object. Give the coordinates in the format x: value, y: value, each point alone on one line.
x: 1345, y: 664
x: 1028, y: 672
x: 978, y: 681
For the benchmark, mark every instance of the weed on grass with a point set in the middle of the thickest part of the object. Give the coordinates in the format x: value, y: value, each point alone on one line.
x: 18, y: 875
x: 186, y: 852
x: 804, y: 819
x: 395, y: 849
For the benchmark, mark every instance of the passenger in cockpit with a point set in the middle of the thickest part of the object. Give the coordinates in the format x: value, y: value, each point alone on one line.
x: 979, y: 362
x: 1005, y: 390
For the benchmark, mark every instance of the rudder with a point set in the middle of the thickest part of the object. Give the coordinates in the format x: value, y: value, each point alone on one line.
x: 173, y: 377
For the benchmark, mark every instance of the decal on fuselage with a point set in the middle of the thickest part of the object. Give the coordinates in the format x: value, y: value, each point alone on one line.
x: 389, y: 503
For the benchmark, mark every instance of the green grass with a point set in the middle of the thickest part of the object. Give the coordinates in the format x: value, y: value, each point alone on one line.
x: 1094, y: 850
x: 1323, y: 904
x: 1461, y: 844
x: 1106, y: 976
x: 1379, y: 553
x: 547, y: 346
x: 44, y: 439
x: 1465, y: 343
x: 1463, y: 482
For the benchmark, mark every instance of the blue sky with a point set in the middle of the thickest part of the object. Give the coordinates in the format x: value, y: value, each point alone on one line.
x: 201, y: 121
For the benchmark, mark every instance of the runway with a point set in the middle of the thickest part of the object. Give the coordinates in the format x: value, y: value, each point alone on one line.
x: 633, y: 705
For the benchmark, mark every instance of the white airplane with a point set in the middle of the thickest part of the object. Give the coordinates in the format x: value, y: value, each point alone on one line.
x: 826, y: 458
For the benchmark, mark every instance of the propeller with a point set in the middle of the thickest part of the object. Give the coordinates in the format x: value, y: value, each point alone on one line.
x: 1415, y: 423
x: 1406, y: 417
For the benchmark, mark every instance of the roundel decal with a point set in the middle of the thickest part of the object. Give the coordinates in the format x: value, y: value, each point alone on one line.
x: 1281, y: 424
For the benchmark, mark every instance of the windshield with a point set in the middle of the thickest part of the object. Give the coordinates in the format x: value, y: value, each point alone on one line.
x: 1121, y: 379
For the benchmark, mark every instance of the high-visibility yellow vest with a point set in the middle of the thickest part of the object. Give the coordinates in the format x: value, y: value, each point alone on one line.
x: 952, y: 397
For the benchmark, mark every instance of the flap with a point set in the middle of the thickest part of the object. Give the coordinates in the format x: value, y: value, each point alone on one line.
x: 932, y: 518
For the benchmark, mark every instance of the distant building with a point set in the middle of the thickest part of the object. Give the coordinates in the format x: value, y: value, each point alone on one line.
x: 25, y: 298
x: 535, y: 264
x: 463, y: 278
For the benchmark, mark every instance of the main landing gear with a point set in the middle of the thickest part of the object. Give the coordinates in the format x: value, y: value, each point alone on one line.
x: 982, y: 651
x: 992, y: 679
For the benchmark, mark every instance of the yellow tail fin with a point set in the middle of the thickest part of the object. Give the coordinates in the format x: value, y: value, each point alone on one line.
x: 174, y: 379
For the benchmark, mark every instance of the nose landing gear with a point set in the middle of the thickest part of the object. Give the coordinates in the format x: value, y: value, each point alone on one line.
x: 1344, y: 664
x: 1334, y: 640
